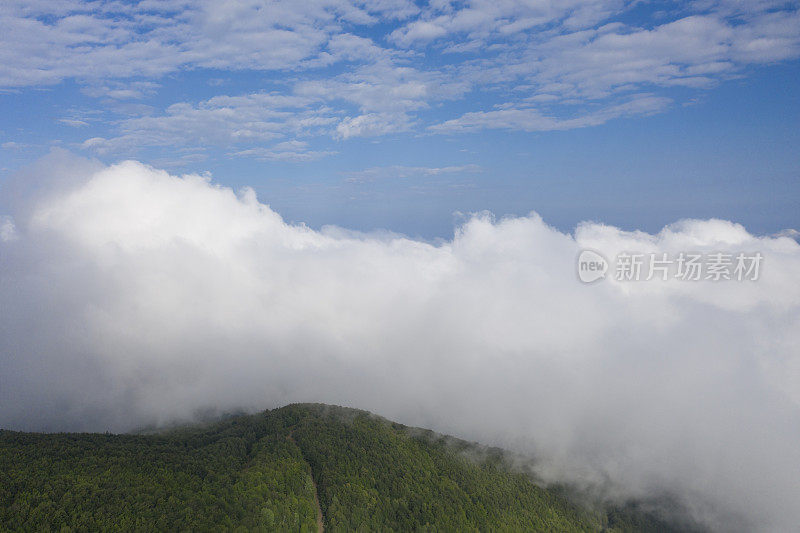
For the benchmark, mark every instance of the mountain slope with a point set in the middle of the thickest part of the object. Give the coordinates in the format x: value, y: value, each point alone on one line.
x: 272, y: 472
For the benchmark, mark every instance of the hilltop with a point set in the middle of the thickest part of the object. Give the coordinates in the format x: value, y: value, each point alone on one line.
x: 302, y: 467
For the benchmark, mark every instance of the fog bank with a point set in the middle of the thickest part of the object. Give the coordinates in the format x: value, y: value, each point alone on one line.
x: 129, y: 296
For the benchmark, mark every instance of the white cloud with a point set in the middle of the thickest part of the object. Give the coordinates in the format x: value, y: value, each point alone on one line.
x: 180, y: 160
x: 479, y: 21
x: 404, y: 172
x: 13, y: 145
x: 349, y: 47
x: 692, y: 51
x: 123, y: 90
x: 531, y: 119
x: 73, y: 122
x: 107, y: 39
x: 364, y: 59
x: 285, y: 151
x: 130, y: 295
x: 419, y: 30
x: 385, y: 94
x: 372, y: 124
x: 7, y: 230
x: 695, y: 51
x: 384, y: 86
x: 224, y: 121
x: 382, y: 92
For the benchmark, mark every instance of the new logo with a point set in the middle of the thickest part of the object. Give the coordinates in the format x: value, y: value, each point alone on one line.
x: 591, y: 266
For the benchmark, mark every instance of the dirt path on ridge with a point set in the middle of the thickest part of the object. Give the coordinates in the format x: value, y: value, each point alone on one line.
x: 320, y: 525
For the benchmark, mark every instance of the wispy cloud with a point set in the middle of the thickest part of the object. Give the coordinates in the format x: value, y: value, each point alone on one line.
x: 470, y: 25
x: 404, y: 172
x: 284, y: 151
x: 122, y: 90
x: 360, y: 69
x: 13, y: 145
x: 511, y: 117
x: 74, y: 122
x: 45, y: 42
x: 224, y: 121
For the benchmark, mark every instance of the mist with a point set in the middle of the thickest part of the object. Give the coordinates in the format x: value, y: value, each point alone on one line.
x: 129, y: 296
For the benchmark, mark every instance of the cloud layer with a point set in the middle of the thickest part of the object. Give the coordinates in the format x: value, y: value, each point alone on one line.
x: 129, y: 296
x: 333, y: 70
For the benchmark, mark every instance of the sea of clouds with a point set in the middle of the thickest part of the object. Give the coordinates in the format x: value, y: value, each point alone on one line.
x: 129, y: 296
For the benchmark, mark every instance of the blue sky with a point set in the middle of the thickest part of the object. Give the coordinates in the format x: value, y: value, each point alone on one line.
x: 401, y: 115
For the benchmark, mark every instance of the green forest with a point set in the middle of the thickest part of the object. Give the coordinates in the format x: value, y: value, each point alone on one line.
x: 298, y: 468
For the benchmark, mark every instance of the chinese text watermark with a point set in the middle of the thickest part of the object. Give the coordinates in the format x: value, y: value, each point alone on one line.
x: 682, y: 266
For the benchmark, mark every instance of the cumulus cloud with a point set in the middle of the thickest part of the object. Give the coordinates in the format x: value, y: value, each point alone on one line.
x: 130, y: 296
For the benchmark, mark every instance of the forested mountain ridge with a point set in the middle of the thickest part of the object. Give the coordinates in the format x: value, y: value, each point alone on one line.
x: 272, y: 471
